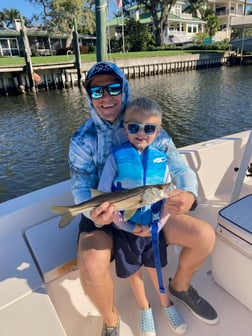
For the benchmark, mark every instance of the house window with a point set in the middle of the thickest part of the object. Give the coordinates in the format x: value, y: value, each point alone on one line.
x: 171, y: 27
x: 222, y: 27
x: 220, y: 11
x: 9, y: 47
x: 177, y: 9
x: 232, y: 10
x: 192, y: 29
x: 240, y: 10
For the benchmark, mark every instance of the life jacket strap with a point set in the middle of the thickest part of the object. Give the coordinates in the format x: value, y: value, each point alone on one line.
x: 155, y: 245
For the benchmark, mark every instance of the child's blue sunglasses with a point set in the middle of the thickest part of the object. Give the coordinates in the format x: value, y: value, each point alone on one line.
x: 134, y: 128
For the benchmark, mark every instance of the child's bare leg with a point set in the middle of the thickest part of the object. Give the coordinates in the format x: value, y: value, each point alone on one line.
x: 137, y: 285
x: 146, y: 321
x: 173, y: 316
x: 163, y: 297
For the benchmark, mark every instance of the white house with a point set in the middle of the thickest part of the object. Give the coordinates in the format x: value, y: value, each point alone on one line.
x: 226, y: 10
x: 182, y: 27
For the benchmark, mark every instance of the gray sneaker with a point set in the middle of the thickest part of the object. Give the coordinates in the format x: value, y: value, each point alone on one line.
x: 198, y: 306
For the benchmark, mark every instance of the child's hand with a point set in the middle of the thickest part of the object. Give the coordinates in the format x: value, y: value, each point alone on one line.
x: 118, y: 219
x: 142, y: 231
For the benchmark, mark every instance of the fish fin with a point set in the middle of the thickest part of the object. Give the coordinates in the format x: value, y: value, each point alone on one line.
x: 65, y: 220
x: 128, y: 214
x: 67, y: 217
x: 95, y: 192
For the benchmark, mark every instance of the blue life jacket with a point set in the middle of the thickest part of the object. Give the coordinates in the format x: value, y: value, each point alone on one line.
x: 135, y: 170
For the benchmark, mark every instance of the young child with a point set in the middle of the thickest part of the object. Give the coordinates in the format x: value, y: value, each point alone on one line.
x: 134, y: 164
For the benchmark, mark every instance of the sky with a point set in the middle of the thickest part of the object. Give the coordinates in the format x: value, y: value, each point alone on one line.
x: 24, y: 6
x: 27, y: 9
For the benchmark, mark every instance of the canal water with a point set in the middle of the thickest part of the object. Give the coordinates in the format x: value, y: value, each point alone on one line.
x: 36, y: 128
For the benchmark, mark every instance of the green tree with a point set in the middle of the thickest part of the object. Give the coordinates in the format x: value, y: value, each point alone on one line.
x: 137, y: 36
x: 87, y: 22
x: 212, y: 24
x: 199, y: 38
x: 160, y: 10
x: 58, y: 15
x: 196, y: 8
x: 7, y: 17
x: 116, y: 44
x: 238, y: 33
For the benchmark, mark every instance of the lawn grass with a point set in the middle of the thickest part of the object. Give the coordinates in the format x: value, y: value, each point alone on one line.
x: 12, y: 61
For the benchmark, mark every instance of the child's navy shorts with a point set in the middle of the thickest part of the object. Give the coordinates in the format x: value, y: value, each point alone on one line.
x: 132, y: 252
x: 87, y: 225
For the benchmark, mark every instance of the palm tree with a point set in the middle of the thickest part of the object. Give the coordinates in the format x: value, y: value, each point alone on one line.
x: 7, y: 17
x: 196, y: 8
x: 212, y: 24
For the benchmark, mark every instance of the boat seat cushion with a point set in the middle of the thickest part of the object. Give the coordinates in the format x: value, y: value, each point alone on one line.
x: 54, y: 249
x: 32, y: 315
x: 237, y: 218
x: 18, y: 273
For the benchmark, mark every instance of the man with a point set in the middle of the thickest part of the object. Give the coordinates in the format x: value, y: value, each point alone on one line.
x: 108, y: 94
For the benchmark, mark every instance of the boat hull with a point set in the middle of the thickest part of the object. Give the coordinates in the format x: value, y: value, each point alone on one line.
x: 40, y: 281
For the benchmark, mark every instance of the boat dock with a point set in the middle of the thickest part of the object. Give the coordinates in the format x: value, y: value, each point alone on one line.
x: 16, y: 80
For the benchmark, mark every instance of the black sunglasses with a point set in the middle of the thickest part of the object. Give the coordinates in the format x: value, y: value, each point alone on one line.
x: 113, y: 89
x: 133, y: 128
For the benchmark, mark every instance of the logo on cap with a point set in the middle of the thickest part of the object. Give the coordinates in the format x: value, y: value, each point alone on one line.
x: 102, y: 69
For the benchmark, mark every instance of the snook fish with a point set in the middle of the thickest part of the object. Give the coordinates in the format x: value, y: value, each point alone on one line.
x: 128, y: 200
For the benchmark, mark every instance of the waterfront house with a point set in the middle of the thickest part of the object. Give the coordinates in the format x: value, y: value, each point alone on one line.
x: 182, y: 27
x: 41, y: 42
x: 226, y: 11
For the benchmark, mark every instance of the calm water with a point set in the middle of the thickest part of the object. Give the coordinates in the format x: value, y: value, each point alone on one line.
x: 35, y: 129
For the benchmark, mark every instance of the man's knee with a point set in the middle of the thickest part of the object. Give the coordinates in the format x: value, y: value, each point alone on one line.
x: 189, y: 232
x: 93, y: 265
x: 208, y: 236
x: 93, y: 258
x: 203, y: 234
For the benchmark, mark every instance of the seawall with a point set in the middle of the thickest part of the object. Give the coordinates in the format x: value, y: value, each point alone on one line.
x: 15, y: 79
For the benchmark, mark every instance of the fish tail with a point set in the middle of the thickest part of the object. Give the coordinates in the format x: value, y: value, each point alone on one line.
x: 67, y: 216
x: 65, y: 220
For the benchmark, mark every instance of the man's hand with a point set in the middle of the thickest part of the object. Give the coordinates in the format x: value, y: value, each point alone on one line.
x: 103, y: 214
x: 179, y: 203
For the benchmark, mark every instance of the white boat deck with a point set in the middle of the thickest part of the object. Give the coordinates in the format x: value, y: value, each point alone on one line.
x: 40, y: 292
x: 83, y: 319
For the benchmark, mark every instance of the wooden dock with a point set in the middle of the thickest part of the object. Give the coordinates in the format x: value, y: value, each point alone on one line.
x: 15, y: 79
